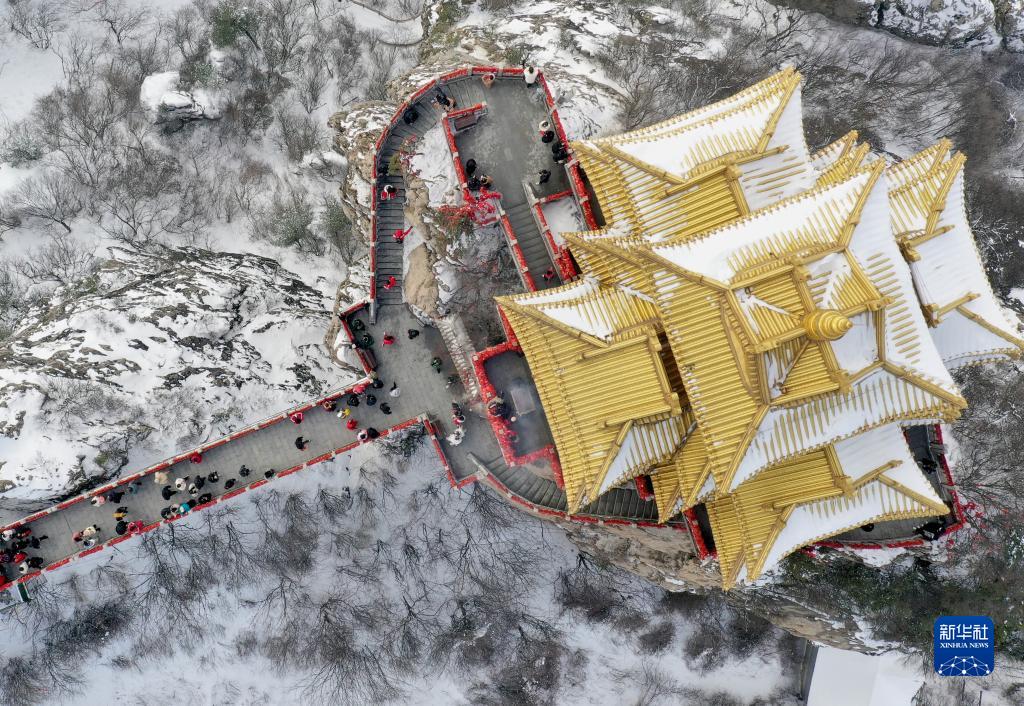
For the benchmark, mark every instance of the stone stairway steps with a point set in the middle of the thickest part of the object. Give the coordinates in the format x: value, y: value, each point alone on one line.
x: 538, y: 261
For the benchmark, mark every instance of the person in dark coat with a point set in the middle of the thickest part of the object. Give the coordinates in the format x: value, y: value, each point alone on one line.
x: 377, y: 384
x: 167, y: 492
x: 229, y: 484
x: 410, y: 115
x: 301, y: 443
x: 444, y: 102
x: 19, y: 544
x: 121, y: 527
x: 269, y: 473
x: 114, y: 496
x: 132, y: 488
x: 413, y: 333
x: 244, y: 471
x: 213, y: 477
x: 473, y: 184
x: 372, y: 433
x: 36, y: 562
x: 548, y: 137
x: 385, y: 408
x: 370, y: 400
x: 5, y: 557
x: 205, y: 498
x: 166, y: 512
x: 545, y: 174
x: 470, y: 167
x: 34, y: 542
x: 200, y: 482
x: 352, y: 400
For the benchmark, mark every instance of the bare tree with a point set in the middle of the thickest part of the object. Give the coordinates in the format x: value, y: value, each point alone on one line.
x: 38, y: 21
x: 62, y: 260
x: 52, y: 197
x: 123, y: 20
x: 312, y: 82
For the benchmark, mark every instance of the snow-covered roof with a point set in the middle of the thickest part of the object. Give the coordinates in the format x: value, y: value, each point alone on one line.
x: 969, y: 324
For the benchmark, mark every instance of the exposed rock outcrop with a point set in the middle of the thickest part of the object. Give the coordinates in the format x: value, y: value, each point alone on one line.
x: 153, y: 353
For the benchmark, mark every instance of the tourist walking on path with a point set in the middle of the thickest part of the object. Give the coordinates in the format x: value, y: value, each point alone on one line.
x: 388, y: 340
x: 122, y: 512
x: 132, y: 488
x: 351, y: 424
x: 391, y: 282
x: 530, y: 75
x: 394, y: 391
x: 328, y: 405
x: 413, y: 333
x: 181, y: 483
x: 167, y: 492
x: 549, y: 275
x: 244, y: 471
x: 487, y: 80
x: 371, y: 400
x: 548, y: 137
x: 301, y: 443
x: 296, y: 417
x: 114, y: 496
x: 385, y: 408
x: 470, y: 167
x: 196, y: 458
x: 91, y: 530
x: 213, y: 477
x: 545, y: 174
x: 344, y: 413
x: 486, y: 182
x: 400, y: 234
x: 97, y: 500
x: 436, y: 364
x: 388, y: 192
x: 444, y: 102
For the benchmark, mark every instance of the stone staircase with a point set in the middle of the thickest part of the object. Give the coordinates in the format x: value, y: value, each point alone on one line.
x: 618, y: 503
x: 538, y: 261
x: 466, y: 92
x: 456, y: 340
x: 391, y: 214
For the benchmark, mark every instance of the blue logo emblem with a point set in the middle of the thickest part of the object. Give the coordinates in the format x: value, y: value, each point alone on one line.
x: 964, y: 646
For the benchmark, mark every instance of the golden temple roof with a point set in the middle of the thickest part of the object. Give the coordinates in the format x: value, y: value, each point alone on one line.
x: 776, y: 316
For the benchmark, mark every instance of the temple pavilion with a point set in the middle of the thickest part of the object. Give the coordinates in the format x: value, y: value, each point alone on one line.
x: 755, y: 324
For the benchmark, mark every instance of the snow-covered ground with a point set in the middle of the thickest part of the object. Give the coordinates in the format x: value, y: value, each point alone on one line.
x: 337, y: 563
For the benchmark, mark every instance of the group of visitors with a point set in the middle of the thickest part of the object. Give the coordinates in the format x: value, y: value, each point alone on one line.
x: 15, y: 544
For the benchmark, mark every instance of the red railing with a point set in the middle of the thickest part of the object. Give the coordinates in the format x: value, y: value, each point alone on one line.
x: 566, y: 268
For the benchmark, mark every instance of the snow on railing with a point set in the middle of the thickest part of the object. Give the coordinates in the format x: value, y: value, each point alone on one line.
x: 559, y: 253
